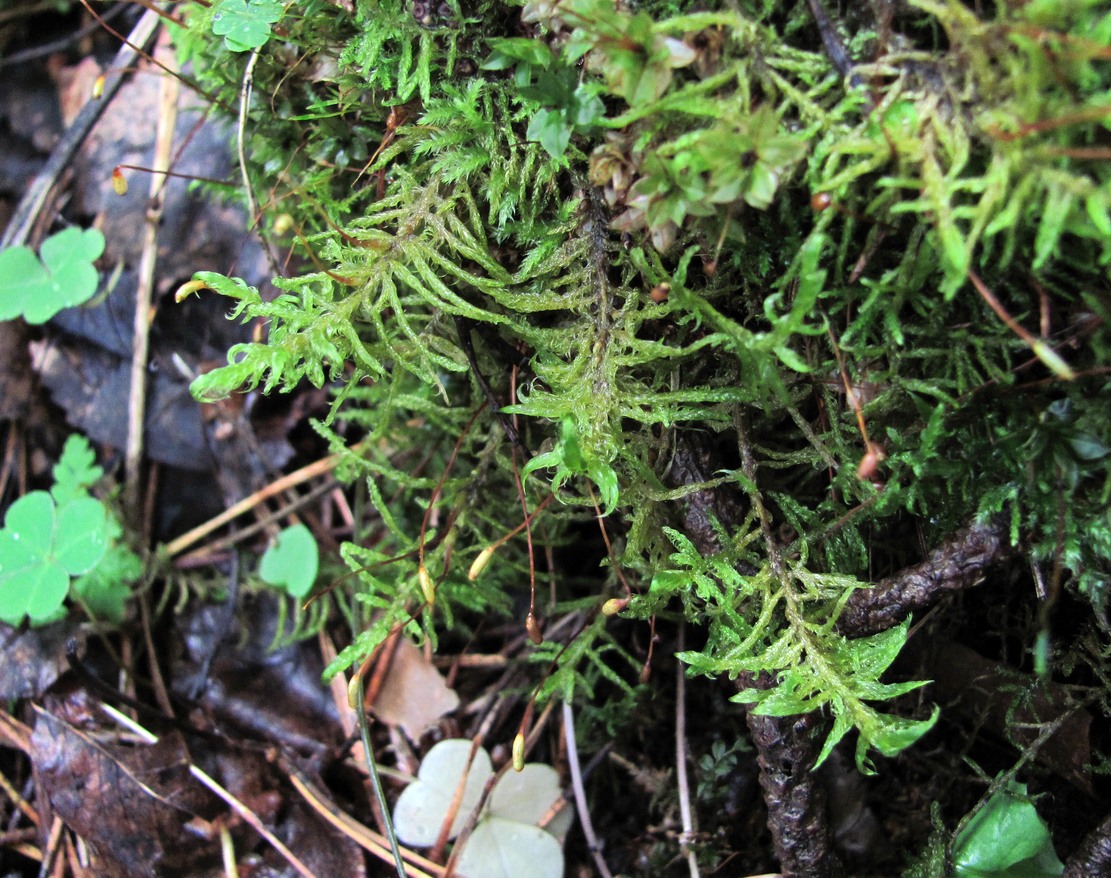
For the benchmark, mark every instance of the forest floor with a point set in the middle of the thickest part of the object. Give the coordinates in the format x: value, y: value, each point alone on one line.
x: 202, y: 661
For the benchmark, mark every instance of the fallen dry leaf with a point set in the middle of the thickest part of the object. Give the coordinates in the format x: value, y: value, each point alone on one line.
x: 413, y: 695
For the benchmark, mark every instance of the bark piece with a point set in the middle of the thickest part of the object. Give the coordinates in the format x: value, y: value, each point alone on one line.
x: 959, y: 562
x: 787, y: 747
x: 1093, y: 857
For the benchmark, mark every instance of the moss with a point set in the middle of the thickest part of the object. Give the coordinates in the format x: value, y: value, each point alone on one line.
x: 692, y: 221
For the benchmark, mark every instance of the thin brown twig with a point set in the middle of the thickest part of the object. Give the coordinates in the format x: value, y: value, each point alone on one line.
x: 54, y: 841
x: 1041, y: 350
x: 8, y: 462
x: 309, y: 471
x: 158, y: 683
x: 210, y: 551
x: 20, y: 802
x: 138, y: 50
x: 144, y: 297
x: 416, y: 866
x: 34, y: 200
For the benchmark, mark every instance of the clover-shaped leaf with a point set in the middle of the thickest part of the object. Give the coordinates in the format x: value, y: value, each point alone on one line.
x: 37, y: 289
x: 32, y: 583
x: 81, y: 534
x: 49, y: 537
x: 291, y: 563
x: 424, y: 804
x: 506, y: 841
x: 245, y: 25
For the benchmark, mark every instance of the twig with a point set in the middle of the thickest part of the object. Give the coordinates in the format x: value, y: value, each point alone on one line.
x: 1049, y: 357
x: 60, y: 45
x: 831, y: 40
x: 17, y: 798
x: 34, y: 199
x: 375, y: 844
x: 681, y: 778
x: 144, y: 296
x: 787, y: 746
x: 52, y: 845
x: 592, y: 843
x: 210, y: 552
x: 241, y: 152
x: 227, y: 853
x: 158, y: 682
x: 179, y: 545
x: 242, y: 810
x: 193, y: 84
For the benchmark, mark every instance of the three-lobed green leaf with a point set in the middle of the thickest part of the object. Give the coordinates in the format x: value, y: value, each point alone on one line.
x: 245, y: 24
x: 48, y: 538
x: 41, y: 547
x: 37, y: 288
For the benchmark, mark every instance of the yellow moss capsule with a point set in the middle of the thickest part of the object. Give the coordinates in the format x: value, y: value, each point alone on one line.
x: 427, y: 586
x: 614, y: 606
x: 480, y: 562
x: 519, y: 752
x: 119, y: 181
x: 353, y: 692
x: 98, y: 87
x: 188, y: 288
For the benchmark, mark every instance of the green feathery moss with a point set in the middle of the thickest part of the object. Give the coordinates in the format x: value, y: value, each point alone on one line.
x: 693, y: 220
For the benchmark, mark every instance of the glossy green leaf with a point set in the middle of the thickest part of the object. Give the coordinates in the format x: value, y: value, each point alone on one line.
x: 35, y: 591
x: 30, y: 521
x: 1006, y: 839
